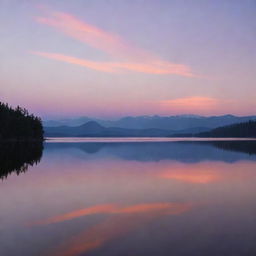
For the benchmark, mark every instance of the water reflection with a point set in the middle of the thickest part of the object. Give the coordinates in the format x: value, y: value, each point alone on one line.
x: 248, y: 147
x: 183, y: 151
x: 165, y: 208
x: 122, y: 221
x: 18, y: 156
x: 111, y: 199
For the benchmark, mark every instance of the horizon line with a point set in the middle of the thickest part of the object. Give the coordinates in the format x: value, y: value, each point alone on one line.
x: 138, y: 116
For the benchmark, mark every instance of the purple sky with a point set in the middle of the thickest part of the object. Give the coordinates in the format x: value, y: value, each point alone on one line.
x: 113, y: 58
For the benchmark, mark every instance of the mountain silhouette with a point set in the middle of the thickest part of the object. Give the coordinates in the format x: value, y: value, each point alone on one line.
x: 93, y: 129
x: 177, y: 123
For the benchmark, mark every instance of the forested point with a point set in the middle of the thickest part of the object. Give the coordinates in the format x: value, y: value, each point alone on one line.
x: 18, y: 125
x: 246, y: 130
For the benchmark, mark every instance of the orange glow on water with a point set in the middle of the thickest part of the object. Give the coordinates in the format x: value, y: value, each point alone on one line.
x: 124, y: 220
x: 195, y: 176
x: 170, y: 208
x: 105, y: 208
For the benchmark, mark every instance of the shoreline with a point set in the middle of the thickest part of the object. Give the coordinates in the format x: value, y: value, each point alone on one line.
x: 137, y: 139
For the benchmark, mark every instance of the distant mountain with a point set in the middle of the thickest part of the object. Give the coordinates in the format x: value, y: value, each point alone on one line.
x: 174, y: 123
x: 94, y: 129
x: 67, y: 122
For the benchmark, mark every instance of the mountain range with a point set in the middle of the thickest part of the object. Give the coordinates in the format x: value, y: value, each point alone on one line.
x: 180, y: 123
x: 93, y: 129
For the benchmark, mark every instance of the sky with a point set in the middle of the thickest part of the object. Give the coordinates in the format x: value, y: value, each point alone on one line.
x: 113, y: 58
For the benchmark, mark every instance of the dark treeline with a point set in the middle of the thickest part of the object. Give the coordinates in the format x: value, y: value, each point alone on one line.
x: 240, y: 130
x: 18, y: 156
x: 18, y: 124
x: 246, y: 130
x: 241, y: 146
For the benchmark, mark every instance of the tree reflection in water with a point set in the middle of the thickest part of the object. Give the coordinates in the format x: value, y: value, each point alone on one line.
x: 18, y: 156
x: 248, y: 147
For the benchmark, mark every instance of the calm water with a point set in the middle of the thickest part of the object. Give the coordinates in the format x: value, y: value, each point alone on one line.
x: 114, y: 198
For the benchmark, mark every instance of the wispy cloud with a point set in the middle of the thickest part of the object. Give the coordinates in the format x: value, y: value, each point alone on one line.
x: 192, y: 103
x: 116, y: 66
x: 91, y: 35
x: 129, y: 56
x: 101, y: 66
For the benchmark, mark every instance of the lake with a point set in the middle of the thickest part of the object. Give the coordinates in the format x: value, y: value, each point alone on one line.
x: 128, y: 197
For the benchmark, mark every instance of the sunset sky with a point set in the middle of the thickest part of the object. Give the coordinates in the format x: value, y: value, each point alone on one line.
x: 112, y: 58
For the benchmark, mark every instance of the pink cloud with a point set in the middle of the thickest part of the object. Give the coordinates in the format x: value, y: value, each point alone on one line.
x: 101, y: 66
x: 130, y: 57
x: 86, y: 33
x: 157, y: 68
x: 196, y: 103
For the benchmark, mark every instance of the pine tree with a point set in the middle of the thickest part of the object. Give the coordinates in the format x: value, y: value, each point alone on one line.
x: 18, y: 124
